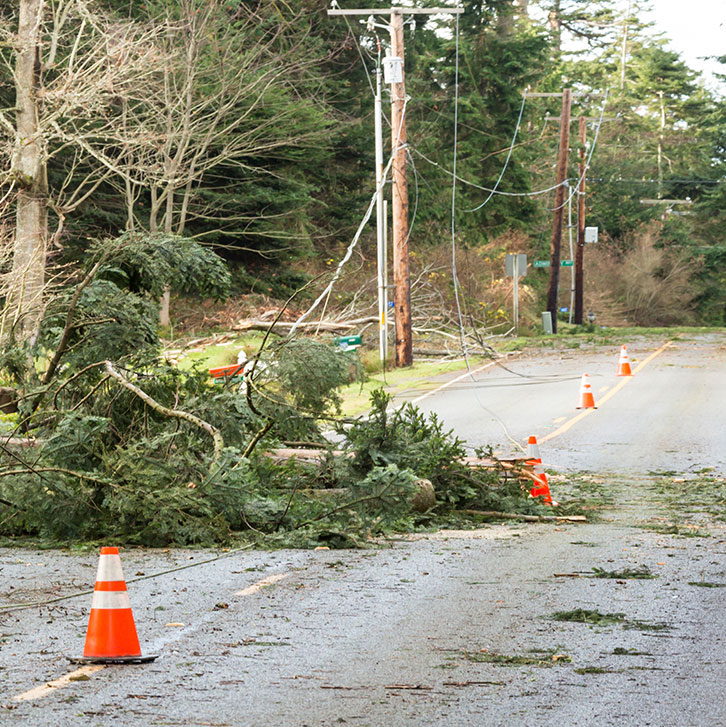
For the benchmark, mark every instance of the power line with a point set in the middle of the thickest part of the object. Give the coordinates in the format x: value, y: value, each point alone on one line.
x: 655, y: 181
x: 509, y: 154
x: 589, y: 156
x: 360, y: 53
x: 348, y: 252
x: 479, y: 186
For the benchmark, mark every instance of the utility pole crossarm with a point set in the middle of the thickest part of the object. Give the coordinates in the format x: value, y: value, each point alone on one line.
x: 587, y: 118
x: 558, y: 94
x: 402, y: 11
x: 665, y: 201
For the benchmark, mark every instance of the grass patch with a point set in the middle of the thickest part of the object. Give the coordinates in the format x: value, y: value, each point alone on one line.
x: 706, y: 584
x: 539, y: 658
x: 684, y: 530
x: 356, y: 397
x: 642, y: 572
x: 222, y: 354
x: 622, y: 651
x: 596, y: 618
x: 594, y: 670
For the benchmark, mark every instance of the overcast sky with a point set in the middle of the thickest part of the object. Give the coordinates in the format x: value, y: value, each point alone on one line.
x: 695, y: 28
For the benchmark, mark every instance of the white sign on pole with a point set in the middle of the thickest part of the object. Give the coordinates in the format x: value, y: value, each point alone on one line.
x: 509, y: 262
x: 591, y: 234
x: 392, y: 70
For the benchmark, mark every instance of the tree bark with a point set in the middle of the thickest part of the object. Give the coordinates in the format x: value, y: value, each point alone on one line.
x: 560, y: 202
x: 401, y: 262
x: 30, y: 176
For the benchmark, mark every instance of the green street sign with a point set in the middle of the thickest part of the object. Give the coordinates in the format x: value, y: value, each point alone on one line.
x: 541, y: 263
x: 566, y: 263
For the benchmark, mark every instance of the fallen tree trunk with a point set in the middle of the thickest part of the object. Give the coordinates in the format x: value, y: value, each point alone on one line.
x: 328, y: 326
x: 20, y: 442
x: 515, y: 466
x: 439, y: 352
x: 526, y: 518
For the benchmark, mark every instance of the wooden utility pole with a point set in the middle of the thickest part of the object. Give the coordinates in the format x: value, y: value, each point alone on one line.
x: 401, y: 266
x: 580, y: 250
x: 559, y: 206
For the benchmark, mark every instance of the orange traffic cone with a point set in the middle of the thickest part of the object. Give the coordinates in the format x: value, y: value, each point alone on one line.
x: 541, y: 488
x: 624, y: 363
x: 111, y: 637
x: 587, y: 401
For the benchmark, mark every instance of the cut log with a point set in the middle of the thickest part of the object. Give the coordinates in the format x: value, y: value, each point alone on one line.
x: 526, y: 518
x: 285, y: 326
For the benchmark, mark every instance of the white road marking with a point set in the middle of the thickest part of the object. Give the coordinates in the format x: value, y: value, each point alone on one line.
x: 264, y: 583
x: 63, y: 681
x: 607, y: 396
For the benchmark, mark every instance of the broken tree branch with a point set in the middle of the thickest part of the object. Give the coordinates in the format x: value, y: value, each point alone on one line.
x: 176, y: 413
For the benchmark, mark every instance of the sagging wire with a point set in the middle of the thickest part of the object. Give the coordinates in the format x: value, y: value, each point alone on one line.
x: 462, y: 333
x: 415, y: 186
x: 505, y: 383
x: 501, y: 423
x: 479, y: 186
x: 50, y: 601
x: 509, y: 153
x: 576, y: 187
x: 360, y: 53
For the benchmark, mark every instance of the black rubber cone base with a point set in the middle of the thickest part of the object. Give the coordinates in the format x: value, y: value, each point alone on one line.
x: 112, y: 659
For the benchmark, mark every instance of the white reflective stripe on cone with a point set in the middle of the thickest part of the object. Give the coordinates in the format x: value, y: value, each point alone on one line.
x: 110, y: 599
x: 109, y: 568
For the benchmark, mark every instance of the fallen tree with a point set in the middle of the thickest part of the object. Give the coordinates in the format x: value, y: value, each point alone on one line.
x: 113, y: 441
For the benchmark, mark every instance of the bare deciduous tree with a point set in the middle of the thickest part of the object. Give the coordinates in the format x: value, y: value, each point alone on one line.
x: 224, y: 97
x: 70, y: 65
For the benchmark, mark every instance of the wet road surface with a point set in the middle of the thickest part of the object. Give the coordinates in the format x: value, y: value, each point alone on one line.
x: 417, y: 631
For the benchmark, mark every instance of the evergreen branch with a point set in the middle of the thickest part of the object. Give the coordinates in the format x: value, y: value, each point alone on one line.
x: 287, y: 507
x: 165, y: 411
x: 62, y: 344
x: 73, y: 378
x: 89, y: 394
x: 359, y: 501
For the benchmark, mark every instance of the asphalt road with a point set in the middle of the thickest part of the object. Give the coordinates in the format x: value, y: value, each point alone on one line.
x: 668, y: 416
x: 415, y: 632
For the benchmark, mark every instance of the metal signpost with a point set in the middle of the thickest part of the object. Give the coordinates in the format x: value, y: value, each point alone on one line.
x: 515, y: 267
